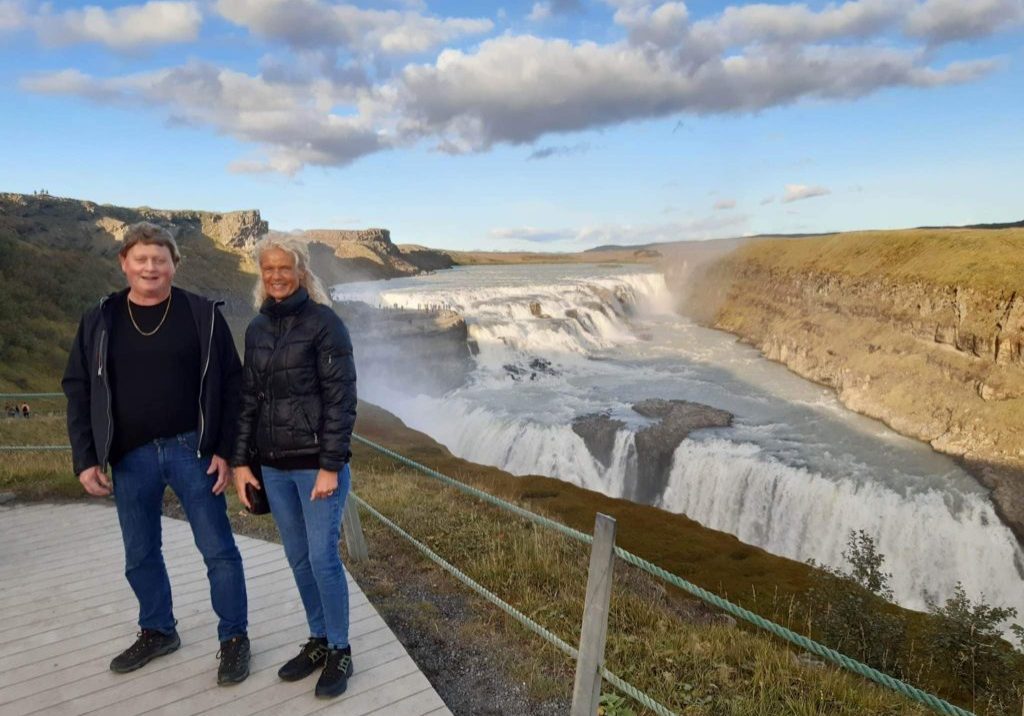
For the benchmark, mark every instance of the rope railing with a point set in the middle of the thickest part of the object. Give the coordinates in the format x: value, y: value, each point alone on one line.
x: 901, y: 687
x: 912, y: 692
x: 548, y: 636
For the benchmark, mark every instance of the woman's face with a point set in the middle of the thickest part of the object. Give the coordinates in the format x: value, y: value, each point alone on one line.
x: 280, y: 277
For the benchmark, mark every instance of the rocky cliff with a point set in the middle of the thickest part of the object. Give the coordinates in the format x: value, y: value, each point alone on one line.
x: 60, y: 255
x: 920, y: 329
x: 69, y: 222
x: 367, y: 254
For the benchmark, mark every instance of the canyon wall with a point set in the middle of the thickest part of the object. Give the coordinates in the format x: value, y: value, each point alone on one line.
x: 921, y: 329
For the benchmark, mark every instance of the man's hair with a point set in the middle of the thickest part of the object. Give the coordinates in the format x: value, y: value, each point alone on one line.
x: 300, y: 255
x: 149, y: 234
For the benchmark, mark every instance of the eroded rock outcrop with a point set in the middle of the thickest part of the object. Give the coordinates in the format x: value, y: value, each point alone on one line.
x: 655, y: 444
x: 367, y: 254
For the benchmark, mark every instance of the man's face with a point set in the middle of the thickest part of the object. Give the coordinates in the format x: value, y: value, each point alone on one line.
x: 280, y: 277
x: 149, y: 269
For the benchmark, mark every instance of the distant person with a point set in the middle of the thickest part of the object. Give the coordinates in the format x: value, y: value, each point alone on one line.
x: 26, y: 412
x: 152, y: 385
x: 298, y: 410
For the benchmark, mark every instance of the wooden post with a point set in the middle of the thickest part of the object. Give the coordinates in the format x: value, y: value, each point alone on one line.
x: 586, y: 694
x: 353, y: 529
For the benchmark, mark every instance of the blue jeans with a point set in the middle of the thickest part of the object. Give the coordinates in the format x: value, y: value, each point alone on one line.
x: 310, y: 531
x: 140, y: 478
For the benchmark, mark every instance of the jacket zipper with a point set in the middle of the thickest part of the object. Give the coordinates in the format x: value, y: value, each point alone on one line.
x: 202, y: 380
x: 106, y: 387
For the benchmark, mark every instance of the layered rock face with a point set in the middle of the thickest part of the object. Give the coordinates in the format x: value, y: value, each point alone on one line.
x: 368, y: 254
x: 922, y: 330
x: 68, y: 223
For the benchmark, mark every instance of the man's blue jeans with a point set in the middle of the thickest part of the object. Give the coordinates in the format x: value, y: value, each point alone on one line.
x: 140, y: 478
x: 310, y: 531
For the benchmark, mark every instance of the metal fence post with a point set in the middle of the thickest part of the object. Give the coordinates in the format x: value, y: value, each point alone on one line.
x: 586, y: 694
x: 353, y: 529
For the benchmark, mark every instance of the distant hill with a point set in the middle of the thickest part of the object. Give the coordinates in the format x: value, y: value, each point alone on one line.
x: 58, y: 256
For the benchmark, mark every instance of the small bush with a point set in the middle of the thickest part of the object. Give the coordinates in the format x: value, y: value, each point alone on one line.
x: 849, y: 607
x: 967, y: 636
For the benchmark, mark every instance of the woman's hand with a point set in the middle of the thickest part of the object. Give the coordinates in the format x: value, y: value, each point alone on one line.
x: 326, y: 485
x: 243, y: 477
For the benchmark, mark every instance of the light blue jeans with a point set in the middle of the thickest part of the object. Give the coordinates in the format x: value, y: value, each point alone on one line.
x: 310, y: 531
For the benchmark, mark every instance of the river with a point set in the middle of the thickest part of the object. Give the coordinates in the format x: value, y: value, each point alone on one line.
x: 794, y: 474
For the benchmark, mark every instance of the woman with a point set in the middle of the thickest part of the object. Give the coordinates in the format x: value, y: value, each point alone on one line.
x: 298, y: 409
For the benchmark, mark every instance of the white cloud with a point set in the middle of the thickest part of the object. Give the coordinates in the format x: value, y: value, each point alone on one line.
x: 540, y: 11
x: 796, y: 192
x: 13, y: 15
x: 534, y: 235
x: 293, y: 123
x: 307, y: 24
x: 941, y: 21
x: 315, y: 101
x: 711, y: 227
x: 723, y: 204
x: 130, y: 27
x: 517, y: 88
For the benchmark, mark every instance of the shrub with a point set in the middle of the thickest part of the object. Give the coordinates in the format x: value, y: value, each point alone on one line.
x: 849, y: 607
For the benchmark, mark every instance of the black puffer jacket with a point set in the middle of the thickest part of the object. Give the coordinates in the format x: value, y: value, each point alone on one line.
x: 299, y: 384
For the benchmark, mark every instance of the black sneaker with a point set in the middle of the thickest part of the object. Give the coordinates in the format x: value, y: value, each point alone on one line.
x: 150, y: 644
x: 234, y: 660
x: 312, y: 657
x: 334, y: 679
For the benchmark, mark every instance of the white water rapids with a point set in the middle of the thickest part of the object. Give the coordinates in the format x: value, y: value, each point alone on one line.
x: 794, y: 474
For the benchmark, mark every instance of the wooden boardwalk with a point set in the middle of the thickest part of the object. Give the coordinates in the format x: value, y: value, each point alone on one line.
x: 66, y: 610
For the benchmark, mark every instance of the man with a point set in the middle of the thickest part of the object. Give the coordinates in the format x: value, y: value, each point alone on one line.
x: 152, y: 384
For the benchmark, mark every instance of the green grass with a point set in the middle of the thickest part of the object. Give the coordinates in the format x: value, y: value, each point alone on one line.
x: 659, y: 638
x: 977, y: 258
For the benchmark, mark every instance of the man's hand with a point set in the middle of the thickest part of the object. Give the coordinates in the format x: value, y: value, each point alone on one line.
x: 95, y: 481
x: 220, y: 466
x: 243, y: 477
x: 326, y: 485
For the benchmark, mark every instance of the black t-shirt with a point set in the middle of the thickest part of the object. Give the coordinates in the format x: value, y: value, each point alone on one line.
x: 154, y: 379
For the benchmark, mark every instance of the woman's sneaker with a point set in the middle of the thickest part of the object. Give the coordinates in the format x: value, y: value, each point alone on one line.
x: 334, y: 679
x: 150, y: 644
x: 311, y: 658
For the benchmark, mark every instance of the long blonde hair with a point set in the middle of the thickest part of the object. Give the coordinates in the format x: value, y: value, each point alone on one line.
x: 300, y: 255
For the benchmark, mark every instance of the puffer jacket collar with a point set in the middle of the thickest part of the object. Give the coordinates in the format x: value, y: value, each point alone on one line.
x: 288, y: 306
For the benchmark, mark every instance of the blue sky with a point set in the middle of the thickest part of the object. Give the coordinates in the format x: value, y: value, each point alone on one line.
x: 555, y: 125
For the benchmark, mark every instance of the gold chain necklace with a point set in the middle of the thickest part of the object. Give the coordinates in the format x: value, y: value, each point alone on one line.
x: 161, y: 323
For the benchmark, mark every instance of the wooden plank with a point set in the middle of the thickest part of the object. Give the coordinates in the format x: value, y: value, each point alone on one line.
x: 79, y: 690
x: 295, y: 698
x: 54, y: 657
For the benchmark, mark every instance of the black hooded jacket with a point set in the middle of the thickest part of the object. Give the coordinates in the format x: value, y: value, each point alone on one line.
x: 298, y: 385
x: 87, y: 387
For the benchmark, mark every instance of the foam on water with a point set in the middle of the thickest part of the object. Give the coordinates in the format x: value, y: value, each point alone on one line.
x: 795, y: 474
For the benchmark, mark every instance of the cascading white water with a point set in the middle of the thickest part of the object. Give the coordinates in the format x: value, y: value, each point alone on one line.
x: 794, y: 475
x: 933, y: 537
